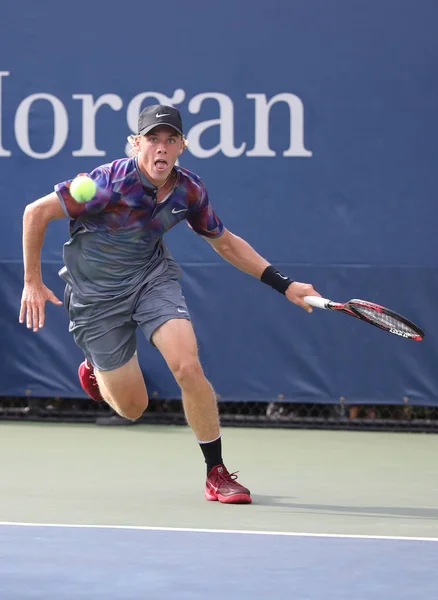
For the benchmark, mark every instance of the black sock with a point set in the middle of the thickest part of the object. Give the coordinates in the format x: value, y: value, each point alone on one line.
x: 212, y: 452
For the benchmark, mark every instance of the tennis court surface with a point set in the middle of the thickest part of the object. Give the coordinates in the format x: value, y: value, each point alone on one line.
x: 90, y: 512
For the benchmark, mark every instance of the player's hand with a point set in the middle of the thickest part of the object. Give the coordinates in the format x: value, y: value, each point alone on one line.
x: 33, y: 302
x: 296, y: 292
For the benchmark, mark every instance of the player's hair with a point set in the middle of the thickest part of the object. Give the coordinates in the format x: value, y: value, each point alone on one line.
x: 134, y: 148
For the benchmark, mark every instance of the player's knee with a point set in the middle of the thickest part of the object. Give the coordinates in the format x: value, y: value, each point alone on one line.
x: 188, y: 372
x: 131, y: 408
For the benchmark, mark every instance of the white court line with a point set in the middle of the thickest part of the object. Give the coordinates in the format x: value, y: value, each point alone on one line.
x: 229, y: 531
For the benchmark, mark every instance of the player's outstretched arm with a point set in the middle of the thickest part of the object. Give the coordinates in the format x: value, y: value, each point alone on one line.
x: 242, y: 255
x: 37, y: 216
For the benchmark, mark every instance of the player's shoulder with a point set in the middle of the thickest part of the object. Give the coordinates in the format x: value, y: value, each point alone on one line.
x: 189, y: 177
x: 120, y: 168
x: 192, y: 185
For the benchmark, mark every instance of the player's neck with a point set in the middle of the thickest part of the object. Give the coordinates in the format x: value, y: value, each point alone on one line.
x: 155, y: 182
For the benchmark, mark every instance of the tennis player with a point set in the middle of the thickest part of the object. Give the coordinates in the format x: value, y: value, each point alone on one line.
x: 120, y: 276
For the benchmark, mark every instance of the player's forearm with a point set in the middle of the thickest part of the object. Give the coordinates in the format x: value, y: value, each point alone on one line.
x: 34, y: 228
x: 241, y: 255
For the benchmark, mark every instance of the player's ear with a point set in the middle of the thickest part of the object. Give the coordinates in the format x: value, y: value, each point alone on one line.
x: 183, y: 145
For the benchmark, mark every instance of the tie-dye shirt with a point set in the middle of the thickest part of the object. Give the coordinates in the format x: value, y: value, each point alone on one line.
x: 116, y: 240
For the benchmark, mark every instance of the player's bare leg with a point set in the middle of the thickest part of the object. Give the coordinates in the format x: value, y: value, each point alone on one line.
x: 124, y: 389
x: 177, y: 343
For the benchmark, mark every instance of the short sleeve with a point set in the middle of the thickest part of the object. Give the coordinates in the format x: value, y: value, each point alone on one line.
x: 203, y: 219
x: 73, y: 209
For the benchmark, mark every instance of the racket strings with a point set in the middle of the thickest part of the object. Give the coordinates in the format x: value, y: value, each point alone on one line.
x: 382, y: 318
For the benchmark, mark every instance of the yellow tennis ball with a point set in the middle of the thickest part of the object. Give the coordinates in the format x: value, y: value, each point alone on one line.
x: 83, y: 188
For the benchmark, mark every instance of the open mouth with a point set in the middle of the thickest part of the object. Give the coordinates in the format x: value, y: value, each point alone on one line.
x: 161, y: 164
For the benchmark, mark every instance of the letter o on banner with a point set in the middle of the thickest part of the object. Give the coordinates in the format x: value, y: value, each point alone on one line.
x: 60, y: 117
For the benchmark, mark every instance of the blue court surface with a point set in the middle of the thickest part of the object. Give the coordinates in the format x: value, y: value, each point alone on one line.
x: 63, y: 562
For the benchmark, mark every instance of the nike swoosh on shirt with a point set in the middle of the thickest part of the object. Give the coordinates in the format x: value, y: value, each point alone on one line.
x: 175, y: 211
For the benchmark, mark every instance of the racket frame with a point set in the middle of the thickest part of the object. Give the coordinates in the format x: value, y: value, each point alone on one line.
x: 349, y: 308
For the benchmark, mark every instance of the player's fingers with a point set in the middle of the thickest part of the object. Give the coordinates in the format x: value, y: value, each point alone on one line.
x: 300, y: 302
x: 54, y: 299
x: 28, y: 315
x: 22, y: 314
x: 306, y: 307
x: 41, y: 317
x: 35, y: 317
x: 310, y: 291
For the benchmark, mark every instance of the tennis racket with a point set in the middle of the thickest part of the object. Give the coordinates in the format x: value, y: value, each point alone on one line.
x: 371, y: 313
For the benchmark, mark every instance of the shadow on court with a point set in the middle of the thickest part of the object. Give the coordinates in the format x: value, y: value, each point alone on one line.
x: 362, y: 511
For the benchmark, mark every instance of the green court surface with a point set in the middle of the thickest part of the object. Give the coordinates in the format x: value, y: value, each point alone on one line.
x: 358, y: 483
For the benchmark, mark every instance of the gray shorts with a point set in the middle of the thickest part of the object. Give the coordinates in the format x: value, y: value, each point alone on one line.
x: 106, y: 331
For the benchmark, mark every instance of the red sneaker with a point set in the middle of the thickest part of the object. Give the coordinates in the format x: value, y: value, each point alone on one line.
x: 88, y: 381
x: 223, y: 486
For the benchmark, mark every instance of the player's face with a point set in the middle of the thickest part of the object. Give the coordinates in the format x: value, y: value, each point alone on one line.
x: 159, y: 151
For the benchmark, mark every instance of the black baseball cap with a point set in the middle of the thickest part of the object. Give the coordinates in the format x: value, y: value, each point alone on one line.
x: 159, y: 114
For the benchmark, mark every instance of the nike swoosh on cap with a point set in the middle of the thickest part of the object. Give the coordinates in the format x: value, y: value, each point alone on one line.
x: 158, y: 115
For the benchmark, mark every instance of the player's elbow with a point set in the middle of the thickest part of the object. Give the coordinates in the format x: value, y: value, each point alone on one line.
x: 45, y: 209
x: 31, y: 210
x: 35, y: 211
x: 223, y: 244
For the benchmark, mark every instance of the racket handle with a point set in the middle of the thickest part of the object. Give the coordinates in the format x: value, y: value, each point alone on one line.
x: 316, y: 301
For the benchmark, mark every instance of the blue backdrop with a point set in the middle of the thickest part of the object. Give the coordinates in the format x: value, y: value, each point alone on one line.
x: 314, y: 126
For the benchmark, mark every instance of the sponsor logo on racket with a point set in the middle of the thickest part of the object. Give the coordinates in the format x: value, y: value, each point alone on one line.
x: 400, y: 333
